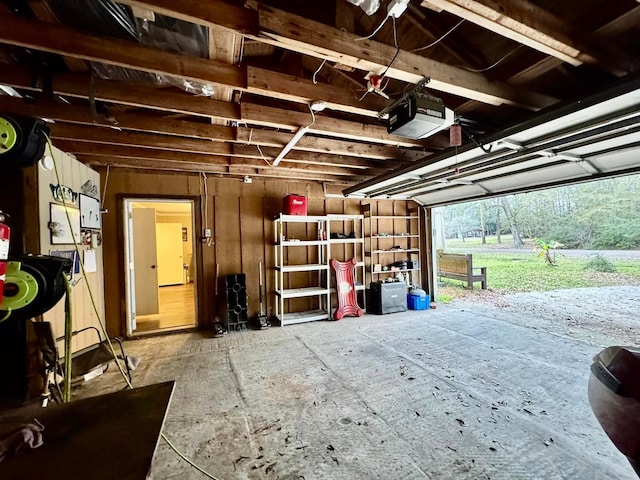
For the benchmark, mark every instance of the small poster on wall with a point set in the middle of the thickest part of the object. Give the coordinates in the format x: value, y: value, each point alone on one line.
x: 61, y: 234
x: 89, y: 212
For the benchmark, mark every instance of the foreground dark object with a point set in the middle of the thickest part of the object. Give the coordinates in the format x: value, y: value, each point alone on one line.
x: 111, y: 436
x: 614, y: 395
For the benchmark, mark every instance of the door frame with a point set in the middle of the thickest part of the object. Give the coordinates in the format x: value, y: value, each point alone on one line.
x: 127, y: 199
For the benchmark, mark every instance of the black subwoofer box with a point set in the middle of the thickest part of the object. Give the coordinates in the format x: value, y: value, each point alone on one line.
x: 387, y: 297
x: 236, y: 306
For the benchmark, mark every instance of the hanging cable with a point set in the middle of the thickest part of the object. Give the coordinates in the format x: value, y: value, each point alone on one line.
x: 495, y: 64
x: 84, y: 274
x: 434, y: 43
x: 360, y: 39
x: 103, y: 326
x: 395, y: 42
x: 315, y: 74
x: 104, y: 190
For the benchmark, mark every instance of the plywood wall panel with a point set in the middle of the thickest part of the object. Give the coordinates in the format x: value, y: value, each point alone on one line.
x: 73, y: 174
x: 241, y: 216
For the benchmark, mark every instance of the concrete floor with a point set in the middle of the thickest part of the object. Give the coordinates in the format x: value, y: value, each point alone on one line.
x: 451, y: 393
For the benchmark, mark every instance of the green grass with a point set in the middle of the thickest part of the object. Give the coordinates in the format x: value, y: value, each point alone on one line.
x: 509, y: 273
x: 507, y: 241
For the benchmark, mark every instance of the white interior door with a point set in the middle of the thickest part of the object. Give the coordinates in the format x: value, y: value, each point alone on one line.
x: 145, y: 265
x: 170, y: 254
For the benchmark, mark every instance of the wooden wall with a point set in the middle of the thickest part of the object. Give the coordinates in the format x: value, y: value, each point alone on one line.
x: 241, y: 217
x: 73, y: 174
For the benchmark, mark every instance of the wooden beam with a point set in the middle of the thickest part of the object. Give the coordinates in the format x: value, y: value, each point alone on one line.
x: 79, y: 86
x: 42, y: 11
x: 313, y: 38
x: 330, y: 166
x: 530, y: 25
x: 126, y: 151
x: 16, y: 30
x: 292, y: 88
x: 48, y: 37
x: 326, y: 145
x: 292, y: 32
x: 145, y: 97
x: 297, y: 156
x: 62, y: 112
x: 163, y: 142
x: 278, y: 118
x: 212, y: 12
x: 606, y: 33
x: 231, y: 168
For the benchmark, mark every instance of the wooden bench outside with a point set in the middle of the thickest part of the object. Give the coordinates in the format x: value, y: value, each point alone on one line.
x: 459, y: 266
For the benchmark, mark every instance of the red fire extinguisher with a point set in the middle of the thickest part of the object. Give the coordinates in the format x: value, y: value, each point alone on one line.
x: 5, y: 233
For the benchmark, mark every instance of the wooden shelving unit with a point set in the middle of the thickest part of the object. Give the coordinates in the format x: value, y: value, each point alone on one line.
x: 391, y: 239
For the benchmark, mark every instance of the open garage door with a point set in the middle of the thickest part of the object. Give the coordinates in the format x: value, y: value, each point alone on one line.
x: 588, y: 139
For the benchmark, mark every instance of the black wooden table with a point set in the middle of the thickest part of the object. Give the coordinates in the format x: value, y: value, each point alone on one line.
x: 111, y: 436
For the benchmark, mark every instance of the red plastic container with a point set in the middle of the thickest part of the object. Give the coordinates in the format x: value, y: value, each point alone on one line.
x: 294, y: 205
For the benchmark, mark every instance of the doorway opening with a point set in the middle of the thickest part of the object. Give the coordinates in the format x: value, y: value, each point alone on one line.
x: 160, y: 265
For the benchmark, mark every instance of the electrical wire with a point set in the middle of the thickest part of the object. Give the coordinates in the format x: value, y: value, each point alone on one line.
x: 104, y: 190
x: 183, y: 457
x: 103, y: 325
x: 315, y: 74
x: 84, y: 273
x: 495, y: 64
x: 435, y: 42
x: 360, y: 39
x: 395, y: 42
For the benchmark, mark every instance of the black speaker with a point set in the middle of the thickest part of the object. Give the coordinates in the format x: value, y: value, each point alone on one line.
x: 387, y: 297
x: 236, y: 305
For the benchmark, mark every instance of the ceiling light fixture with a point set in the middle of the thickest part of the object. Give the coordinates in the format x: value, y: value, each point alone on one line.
x: 316, y: 106
x: 292, y: 143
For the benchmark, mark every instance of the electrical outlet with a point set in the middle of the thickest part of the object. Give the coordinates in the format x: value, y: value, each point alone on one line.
x: 207, y: 233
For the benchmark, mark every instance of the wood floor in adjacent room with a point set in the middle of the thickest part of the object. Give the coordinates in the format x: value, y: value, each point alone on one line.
x: 461, y: 392
x: 177, y: 309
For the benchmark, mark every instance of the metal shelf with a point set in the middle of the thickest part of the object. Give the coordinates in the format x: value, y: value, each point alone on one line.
x: 301, y: 317
x: 346, y: 240
x: 396, y: 271
x: 301, y: 243
x: 394, y: 236
x: 409, y: 250
x: 302, y: 292
x: 302, y: 268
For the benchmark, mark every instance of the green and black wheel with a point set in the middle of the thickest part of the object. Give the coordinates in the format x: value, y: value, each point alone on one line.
x: 10, y: 135
x: 22, y: 141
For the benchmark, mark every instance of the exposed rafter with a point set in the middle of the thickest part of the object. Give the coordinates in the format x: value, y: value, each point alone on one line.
x: 306, y: 36
x: 530, y: 25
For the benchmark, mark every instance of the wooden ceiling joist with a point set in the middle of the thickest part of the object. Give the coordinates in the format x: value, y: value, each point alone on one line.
x: 299, y: 160
x: 328, y: 145
x: 530, y: 25
x: 48, y: 37
x: 159, y: 99
x: 238, y: 168
x: 316, y: 150
x: 292, y: 32
x: 83, y: 133
x: 59, y: 111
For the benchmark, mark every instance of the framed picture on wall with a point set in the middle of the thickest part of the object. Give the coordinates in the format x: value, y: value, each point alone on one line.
x: 61, y: 234
x: 89, y: 212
